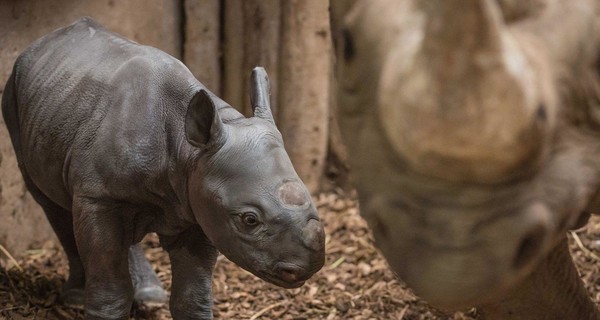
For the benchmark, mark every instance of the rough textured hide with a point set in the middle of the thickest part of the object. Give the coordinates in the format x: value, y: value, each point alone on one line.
x: 153, y: 23
x: 471, y: 134
x: 115, y: 140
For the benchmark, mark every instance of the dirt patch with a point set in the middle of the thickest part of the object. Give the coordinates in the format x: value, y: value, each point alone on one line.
x: 354, y: 284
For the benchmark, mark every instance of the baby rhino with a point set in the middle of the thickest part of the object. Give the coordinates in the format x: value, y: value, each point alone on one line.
x: 116, y: 140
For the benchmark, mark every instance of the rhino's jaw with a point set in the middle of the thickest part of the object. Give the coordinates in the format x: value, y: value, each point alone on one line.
x: 454, y: 259
x: 286, y: 275
x: 284, y: 256
x: 291, y: 274
x: 300, y: 252
x: 460, y: 246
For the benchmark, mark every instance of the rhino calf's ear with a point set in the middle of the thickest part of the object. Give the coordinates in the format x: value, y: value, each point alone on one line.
x: 260, y: 94
x: 202, y: 122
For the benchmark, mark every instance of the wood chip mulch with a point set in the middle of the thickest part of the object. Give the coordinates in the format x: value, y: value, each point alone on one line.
x: 355, y: 282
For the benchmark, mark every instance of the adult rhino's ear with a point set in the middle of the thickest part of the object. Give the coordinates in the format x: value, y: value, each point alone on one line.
x: 203, y: 126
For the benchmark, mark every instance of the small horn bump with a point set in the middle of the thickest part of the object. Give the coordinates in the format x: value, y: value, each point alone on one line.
x: 293, y: 195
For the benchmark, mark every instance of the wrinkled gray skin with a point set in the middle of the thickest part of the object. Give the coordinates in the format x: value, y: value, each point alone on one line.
x: 116, y: 140
x: 473, y: 135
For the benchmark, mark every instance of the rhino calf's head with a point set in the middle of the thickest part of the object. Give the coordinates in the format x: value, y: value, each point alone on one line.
x: 246, y: 195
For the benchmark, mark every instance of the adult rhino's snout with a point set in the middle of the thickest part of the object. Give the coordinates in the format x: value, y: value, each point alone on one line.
x: 458, y: 262
x: 531, y: 240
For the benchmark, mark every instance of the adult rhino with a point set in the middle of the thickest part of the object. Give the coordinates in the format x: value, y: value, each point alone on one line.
x: 474, y: 128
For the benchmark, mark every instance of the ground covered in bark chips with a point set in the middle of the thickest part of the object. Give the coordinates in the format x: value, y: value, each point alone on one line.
x: 355, y: 282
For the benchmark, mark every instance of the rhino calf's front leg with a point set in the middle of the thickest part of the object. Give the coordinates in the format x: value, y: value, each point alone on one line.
x: 193, y: 258
x: 103, y: 249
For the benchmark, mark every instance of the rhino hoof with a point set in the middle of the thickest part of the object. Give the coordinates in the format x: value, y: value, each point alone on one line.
x: 150, y: 295
x: 73, y: 298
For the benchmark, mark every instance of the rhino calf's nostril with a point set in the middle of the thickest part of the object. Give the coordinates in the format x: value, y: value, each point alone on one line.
x: 529, y: 246
x: 288, y: 272
x: 289, y: 275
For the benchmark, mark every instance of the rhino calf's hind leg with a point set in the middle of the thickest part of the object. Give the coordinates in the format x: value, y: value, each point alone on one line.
x: 61, y: 220
x: 72, y: 292
x: 148, y: 288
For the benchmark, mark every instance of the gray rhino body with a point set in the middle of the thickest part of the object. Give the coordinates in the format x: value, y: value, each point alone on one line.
x: 473, y: 133
x: 116, y: 140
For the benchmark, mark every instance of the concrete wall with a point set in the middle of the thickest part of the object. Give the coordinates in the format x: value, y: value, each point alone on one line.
x: 153, y: 22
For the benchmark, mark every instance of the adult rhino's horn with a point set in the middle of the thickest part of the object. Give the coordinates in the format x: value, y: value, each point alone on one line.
x: 465, y: 109
x: 259, y: 94
x: 462, y: 30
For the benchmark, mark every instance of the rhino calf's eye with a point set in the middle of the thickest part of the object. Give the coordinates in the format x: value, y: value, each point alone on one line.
x: 250, y: 219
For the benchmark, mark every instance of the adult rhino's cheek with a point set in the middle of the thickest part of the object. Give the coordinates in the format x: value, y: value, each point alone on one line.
x: 388, y: 224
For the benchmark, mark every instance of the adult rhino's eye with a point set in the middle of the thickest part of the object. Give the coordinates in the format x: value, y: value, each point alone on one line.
x: 250, y: 219
x: 540, y: 113
x: 347, y: 45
